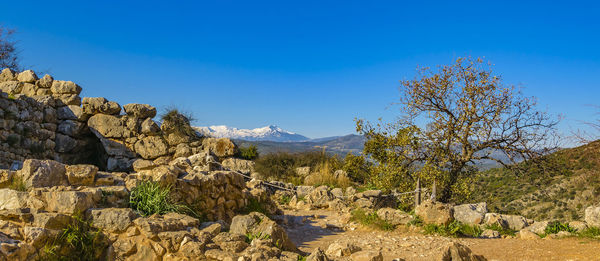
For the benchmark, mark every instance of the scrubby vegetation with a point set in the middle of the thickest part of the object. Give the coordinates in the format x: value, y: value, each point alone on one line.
x: 17, y: 183
x: 177, y: 122
x: 371, y: 220
x: 248, y: 153
x: 454, y: 229
x: 282, y: 166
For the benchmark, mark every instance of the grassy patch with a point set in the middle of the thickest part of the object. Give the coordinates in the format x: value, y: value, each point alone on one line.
x: 78, y: 241
x: 254, y: 205
x: 251, y: 236
x: 555, y: 227
x: 590, y: 232
x: 285, y: 199
x: 150, y: 197
x: 454, y: 229
x: 17, y: 183
x: 174, y: 121
x: 371, y: 220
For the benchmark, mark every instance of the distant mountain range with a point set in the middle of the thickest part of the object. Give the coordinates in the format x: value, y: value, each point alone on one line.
x: 267, y: 133
x: 272, y: 139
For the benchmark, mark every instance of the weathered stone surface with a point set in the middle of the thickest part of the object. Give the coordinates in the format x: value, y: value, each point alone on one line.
x: 51, y: 220
x: 368, y: 255
x: 71, y: 128
x: 456, y: 251
x: 81, y: 175
x: 6, y: 177
x: 151, y: 147
x: 108, y: 126
x: 303, y: 191
x: 43, y: 173
x: 244, y: 166
x: 302, y: 171
x: 149, y: 127
x: 435, y: 212
x: 64, y: 143
x: 112, y: 220
x: 488, y: 233
x: 11, y: 87
x: 341, y: 249
x: 526, y: 234
x: 317, y: 255
x: 27, y: 76
x: 592, y: 216
x: 68, y: 202
x: 8, y: 75
x: 578, y: 225
x: 65, y: 87
x: 394, y: 216
x: 231, y: 242
x: 319, y: 197
x: 514, y: 222
x: 142, y: 164
x: 95, y: 105
x: 45, y: 82
x: 29, y: 89
x: 221, y: 148
x: 257, y: 223
x: 12, y: 199
x: 140, y: 110
x: 471, y: 214
x: 538, y: 227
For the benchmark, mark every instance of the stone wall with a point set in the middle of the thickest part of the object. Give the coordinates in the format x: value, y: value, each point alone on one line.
x: 47, y: 119
x: 39, y: 118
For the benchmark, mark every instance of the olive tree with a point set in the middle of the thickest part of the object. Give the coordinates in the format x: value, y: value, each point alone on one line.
x: 8, y: 51
x: 466, y: 115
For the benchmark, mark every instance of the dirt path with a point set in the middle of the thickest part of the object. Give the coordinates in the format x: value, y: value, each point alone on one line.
x: 320, y: 228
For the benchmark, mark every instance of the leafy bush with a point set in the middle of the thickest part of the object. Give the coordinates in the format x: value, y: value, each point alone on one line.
x: 371, y: 220
x: 254, y: 205
x: 248, y: 153
x: 556, y: 226
x: 78, y: 241
x: 284, y: 199
x: 150, y: 197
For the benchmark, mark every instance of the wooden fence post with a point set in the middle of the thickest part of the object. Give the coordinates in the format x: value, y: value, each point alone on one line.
x: 433, y: 191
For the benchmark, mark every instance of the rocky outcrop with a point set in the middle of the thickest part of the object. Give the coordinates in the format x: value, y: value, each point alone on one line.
x: 472, y: 214
x: 435, y: 212
x: 592, y: 216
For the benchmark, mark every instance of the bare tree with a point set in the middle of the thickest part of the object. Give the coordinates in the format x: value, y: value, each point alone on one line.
x: 593, y: 133
x: 8, y: 51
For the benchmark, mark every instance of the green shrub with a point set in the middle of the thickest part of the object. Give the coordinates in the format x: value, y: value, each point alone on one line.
x: 556, y: 226
x: 150, y: 197
x: 248, y: 153
x: 285, y: 199
x: 371, y: 220
x: 78, y: 241
x: 251, y: 236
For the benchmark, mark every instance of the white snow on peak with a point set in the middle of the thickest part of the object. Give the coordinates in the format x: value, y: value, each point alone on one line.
x: 267, y: 133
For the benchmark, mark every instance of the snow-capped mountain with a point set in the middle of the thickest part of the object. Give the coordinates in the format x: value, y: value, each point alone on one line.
x: 268, y: 133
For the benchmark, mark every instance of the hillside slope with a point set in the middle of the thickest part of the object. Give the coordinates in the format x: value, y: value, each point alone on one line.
x: 561, y: 192
x: 338, y: 145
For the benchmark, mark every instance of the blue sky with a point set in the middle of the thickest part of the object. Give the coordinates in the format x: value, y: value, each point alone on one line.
x: 307, y: 66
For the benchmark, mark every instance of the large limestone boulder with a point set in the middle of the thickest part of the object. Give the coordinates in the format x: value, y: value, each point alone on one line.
x: 513, y: 222
x: 27, y: 76
x: 221, y: 148
x: 527, y: 235
x: 435, y: 212
x: 65, y: 87
x: 471, y: 214
x: 8, y: 75
x: 12, y: 199
x: 456, y: 251
x: 109, y: 126
x: 112, y: 220
x: 81, y: 175
x: 303, y: 191
x: 141, y: 111
x: 244, y: 166
x: 538, y: 227
x: 592, y: 216
x: 317, y: 255
x: 69, y: 202
x: 341, y: 249
x: 258, y: 224
x: 45, y: 82
x: 151, y: 147
x: 43, y: 173
x: 319, y: 197
x: 394, y: 216
x: 95, y: 105
x: 11, y: 87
